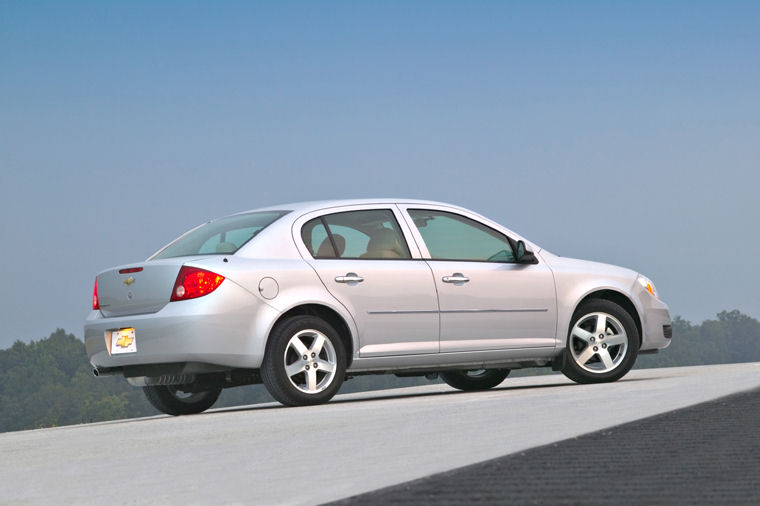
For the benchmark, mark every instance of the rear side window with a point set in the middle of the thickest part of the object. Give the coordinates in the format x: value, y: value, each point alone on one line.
x: 370, y: 235
x: 220, y: 237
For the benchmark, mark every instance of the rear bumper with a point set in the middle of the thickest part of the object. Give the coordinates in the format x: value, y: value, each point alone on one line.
x: 227, y: 328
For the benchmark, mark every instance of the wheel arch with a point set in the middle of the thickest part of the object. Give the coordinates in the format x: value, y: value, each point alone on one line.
x: 329, y: 315
x: 618, y: 298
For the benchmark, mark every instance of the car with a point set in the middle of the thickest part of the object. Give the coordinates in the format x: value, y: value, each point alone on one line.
x: 301, y: 297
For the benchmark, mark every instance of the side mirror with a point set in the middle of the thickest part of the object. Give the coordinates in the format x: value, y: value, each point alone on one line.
x: 523, y: 256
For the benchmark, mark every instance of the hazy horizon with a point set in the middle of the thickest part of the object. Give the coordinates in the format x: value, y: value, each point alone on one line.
x: 622, y: 133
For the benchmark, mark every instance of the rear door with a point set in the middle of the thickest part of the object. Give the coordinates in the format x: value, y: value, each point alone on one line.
x: 362, y: 256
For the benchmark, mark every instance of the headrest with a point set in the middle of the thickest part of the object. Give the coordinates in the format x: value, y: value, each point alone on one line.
x: 326, y: 250
x: 226, y: 247
x: 385, y: 239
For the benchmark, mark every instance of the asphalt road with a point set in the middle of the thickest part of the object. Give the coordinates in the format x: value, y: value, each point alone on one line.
x: 707, y: 454
x: 266, y: 454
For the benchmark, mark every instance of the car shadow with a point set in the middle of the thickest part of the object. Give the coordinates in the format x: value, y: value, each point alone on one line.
x: 369, y: 398
x: 415, y: 395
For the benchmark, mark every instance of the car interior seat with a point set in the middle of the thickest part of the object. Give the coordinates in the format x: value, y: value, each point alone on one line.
x: 325, y: 249
x: 384, y: 244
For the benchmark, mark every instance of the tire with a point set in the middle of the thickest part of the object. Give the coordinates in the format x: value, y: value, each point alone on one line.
x: 297, y: 381
x: 172, y: 400
x: 482, y: 379
x: 602, y: 343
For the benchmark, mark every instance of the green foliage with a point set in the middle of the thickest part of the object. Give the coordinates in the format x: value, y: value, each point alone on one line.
x: 49, y: 382
x: 733, y: 337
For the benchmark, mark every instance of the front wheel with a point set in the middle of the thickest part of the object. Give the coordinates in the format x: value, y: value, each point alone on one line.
x: 602, y: 343
x: 481, y: 379
x: 304, y: 363
x: 173, y: 400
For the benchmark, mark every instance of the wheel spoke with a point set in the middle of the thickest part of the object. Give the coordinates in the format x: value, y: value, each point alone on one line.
x: 586, y: 355
x: 325, y: 367
x: 298, y: 345
x: 584, y: 335
x: 604, y: 356
x: 316, y: 346
x: 311, y: 377
x: 615, y: 340
x: 294, y: 368
x: 601, y: 324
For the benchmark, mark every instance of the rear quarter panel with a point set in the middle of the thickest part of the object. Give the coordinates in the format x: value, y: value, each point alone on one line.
x: 296, y: 284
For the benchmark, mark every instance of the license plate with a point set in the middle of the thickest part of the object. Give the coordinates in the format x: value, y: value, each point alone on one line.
x: 123, y: 341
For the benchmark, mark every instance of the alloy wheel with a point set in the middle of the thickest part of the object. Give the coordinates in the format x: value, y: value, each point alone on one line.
x: 598, y: 343
x: 310, y: 361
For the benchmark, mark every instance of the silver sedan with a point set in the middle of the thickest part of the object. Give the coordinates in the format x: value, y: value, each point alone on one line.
x: 304, y: 296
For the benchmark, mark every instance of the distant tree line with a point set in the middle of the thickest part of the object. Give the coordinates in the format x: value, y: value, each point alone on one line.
x: 49, y: 382
x: 733, y: 337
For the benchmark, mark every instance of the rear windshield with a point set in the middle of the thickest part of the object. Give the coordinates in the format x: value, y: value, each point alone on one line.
x: 220, y: 237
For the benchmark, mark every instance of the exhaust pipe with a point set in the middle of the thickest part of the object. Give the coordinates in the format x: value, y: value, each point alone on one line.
x: 106, y: 371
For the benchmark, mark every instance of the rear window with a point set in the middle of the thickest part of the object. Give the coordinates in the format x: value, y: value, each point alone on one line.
x: 220, y: 237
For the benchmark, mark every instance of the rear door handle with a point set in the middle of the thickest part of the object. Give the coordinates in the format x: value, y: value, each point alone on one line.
x: 350, y: 277
x: 457, y: 277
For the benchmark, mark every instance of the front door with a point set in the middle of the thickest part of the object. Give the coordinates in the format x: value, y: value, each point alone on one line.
x: 487, y: 300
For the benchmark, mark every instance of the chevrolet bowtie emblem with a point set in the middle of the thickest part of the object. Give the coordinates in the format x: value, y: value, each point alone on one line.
x: 129, y: 281
x: 124, y: 341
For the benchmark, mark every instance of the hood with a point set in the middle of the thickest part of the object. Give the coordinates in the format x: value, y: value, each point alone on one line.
x: 586, y: 266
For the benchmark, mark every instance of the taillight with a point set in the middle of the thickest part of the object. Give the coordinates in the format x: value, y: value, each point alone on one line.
x: 193, y: 282
x: 95, y: 302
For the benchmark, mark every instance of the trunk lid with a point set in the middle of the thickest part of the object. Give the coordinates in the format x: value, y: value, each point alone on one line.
x: 138, y: 288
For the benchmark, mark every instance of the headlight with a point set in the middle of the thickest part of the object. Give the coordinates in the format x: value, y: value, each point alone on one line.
x: 648, y: 285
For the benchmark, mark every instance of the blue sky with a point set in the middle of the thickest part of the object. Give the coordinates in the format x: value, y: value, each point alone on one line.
x: 627, y: 133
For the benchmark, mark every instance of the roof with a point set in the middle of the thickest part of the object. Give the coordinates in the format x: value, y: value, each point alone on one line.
x: 314, y: 205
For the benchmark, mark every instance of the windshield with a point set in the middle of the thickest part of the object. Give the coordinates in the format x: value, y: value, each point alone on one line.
x: 220, y: 237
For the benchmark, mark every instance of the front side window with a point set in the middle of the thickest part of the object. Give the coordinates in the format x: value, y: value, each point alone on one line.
x: 449, y: 236
x: 372, y: 234
x: 223, y: 236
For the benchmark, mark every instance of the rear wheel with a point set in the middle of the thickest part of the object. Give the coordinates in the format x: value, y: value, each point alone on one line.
x: 305, y: 362
x: 481, y: 379
x: 181, y: 399
x: 602, y: 343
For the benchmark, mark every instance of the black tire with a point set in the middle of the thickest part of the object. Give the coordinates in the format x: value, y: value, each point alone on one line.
x: 621, y: 356
x: 296, y: 390
x: 474, y: 380
x: 172, y: 400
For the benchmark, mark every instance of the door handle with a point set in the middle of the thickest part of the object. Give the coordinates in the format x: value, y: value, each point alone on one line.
x: 457, y: 277
x: 350, y: 277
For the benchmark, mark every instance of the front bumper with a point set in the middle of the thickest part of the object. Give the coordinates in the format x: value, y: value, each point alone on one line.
x: 656, y: 325
x: 227, y: 328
